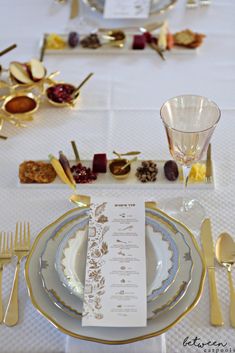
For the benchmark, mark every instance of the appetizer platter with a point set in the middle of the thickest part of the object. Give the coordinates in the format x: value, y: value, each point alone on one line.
x: 120, y: 42
x: 119, y: 171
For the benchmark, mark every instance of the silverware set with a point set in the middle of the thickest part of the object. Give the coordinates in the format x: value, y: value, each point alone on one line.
x: 195, y: 3
x: 225, y: 254
x: 9, y: 248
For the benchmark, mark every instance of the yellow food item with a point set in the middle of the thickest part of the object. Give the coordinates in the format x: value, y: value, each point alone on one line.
x: 60, y: 171
x: 54, y: 41
x: 198, y: 172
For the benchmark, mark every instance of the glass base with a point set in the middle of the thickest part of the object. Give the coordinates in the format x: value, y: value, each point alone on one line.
x: 189, y: 212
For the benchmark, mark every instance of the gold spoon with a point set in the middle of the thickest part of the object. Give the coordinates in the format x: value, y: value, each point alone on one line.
x: 128, y: 163
x: 77, y: 90
x: 225, y: 255
x: 132, y: 153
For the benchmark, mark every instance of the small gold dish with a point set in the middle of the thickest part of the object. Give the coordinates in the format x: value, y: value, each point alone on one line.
x: 115, y: 168
x: 21, y: 105
x: 61, y: 95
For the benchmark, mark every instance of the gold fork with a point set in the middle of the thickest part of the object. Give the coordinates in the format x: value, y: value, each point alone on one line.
x: 21, y: 249
x: 6, y: 249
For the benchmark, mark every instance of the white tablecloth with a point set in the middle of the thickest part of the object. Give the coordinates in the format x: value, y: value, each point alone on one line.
x: 119, y: 109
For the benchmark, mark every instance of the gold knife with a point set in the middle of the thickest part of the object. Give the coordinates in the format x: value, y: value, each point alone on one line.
x: 74, y: 9
x: 208, y: 164
x: 216, y: 318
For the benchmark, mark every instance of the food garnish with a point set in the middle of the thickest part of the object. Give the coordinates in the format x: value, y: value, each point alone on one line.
x: 171, y: 170
x: 20, y: 105
x: 82, y: 174
x: 36, y: 172
x: 66, y: 166
x: 188, y: 39
x: 139, y: 42
x: 99, y: 164
x: 54, y: 41
x: 147, y: 172
x: 60, y: 92
x: 73, y: 39
x: 60, y: 171
x: 198, y: 172
x: 91, y: 41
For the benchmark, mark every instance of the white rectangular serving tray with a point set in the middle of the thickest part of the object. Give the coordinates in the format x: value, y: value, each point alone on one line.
x: 106, y: 180
x: 105, y: 49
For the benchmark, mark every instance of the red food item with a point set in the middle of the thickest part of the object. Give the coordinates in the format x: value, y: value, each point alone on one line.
x: 139, y: 42
x: 148, y: 37
x: 60, y: 93
x: 99, y: 163
x: 170, y: 40
x: 82, y: 174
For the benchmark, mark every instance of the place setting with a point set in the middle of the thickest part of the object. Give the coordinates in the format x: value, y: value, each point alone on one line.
x: 117, y: 185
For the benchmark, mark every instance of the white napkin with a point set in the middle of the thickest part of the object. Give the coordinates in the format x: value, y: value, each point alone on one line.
x: 151, y: 345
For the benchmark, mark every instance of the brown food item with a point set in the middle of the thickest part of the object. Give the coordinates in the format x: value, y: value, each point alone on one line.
x: 171, y: 170
x: 188, y: 39
x: 20, y: 104
x: 36, y: 172
x: 115, y: 167
x: 92, y: 41
x: 147, y: 172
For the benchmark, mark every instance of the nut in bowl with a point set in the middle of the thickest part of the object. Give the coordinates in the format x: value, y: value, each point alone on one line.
x: 115, y: 167
x: 21, y: 106
x: 62, y: 95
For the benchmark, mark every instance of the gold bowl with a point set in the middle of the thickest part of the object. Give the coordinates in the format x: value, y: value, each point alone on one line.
x: 61, y: 104
x: 22, y: 114
x: 118, y: 163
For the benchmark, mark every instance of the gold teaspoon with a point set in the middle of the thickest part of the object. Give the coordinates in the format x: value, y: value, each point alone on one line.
x: 225, y: 255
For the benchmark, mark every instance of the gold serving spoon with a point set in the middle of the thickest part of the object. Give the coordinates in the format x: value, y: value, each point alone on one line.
x: 128, y: 163
x: 132, y: 153
x: 225, y: 255
x: 77, y: 89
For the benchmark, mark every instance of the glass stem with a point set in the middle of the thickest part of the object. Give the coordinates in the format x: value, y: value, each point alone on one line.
x: 186, y: 171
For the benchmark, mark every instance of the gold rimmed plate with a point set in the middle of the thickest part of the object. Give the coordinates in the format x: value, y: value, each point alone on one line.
x: 72, y: 326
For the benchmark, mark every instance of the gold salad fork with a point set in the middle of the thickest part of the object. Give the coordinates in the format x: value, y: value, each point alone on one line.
x: 21, y: 249
x: 6, y: 249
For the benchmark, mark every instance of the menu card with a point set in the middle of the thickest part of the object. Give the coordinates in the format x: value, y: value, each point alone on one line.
x: 115, y: 284
x: 126, y: 8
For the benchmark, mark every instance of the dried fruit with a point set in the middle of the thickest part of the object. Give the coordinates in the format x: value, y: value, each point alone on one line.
x: 73, y: 39
x: 171, y: 170
x: 92, y: 41
x: 147, y: 172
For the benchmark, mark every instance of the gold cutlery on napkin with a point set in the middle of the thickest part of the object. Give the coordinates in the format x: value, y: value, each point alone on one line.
x: 21, y: 249
x: 6, y: 251
x: 225, y: 255
x: 216, y: 318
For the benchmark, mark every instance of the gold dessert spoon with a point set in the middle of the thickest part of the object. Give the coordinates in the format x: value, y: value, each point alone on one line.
x: 128, y: 163
x: 225, y: 255
x: 77, y: 89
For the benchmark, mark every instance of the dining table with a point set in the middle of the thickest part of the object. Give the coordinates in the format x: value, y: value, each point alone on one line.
x: 118, y: 109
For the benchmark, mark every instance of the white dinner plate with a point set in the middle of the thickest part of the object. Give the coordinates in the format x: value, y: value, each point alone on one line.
x: 162, y: 259
x: 78, y: 223
x: 156, y: 7
x: 173, y: 290
x: 72, y: 326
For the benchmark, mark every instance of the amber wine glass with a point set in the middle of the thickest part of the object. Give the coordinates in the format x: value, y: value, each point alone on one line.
x: 189, y: 122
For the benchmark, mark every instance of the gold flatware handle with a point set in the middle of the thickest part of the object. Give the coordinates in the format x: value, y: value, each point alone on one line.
x: 216, y: 317
x: 232, y: 300
x: 12, y: 312
x: 74, y: 9
x: 1, y: 306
